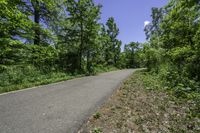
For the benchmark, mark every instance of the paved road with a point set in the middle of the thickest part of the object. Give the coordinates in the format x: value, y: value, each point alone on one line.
x: 57, y: 108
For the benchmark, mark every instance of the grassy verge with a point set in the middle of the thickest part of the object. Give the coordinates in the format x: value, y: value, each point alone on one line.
x: 142, y: 105
x: 42, y: 79
x: 21, y: 77
x: 102, y: 69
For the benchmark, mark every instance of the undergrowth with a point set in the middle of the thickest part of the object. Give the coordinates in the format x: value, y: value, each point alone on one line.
x: 180, y: 93
x: 144, y: 105
x: 24, y: 76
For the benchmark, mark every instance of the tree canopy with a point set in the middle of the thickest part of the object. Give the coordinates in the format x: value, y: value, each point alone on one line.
x: 67, y: 36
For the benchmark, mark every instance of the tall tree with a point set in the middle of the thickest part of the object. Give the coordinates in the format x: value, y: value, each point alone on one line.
x: 113, y: 43
x: 173, y: 40
x: 13, y: 22
x: 130, y: 53
x: 14, y: 25
x: 42, y: 13
x: 153, y: 30
x: 84, y: 15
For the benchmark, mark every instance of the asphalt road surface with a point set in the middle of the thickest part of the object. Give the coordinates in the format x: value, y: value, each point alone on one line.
x: 57, y: 108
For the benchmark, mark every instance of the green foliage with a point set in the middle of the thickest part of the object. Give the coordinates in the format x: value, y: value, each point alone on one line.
x: 181, y: 95
x: 103, y: 68
x: 172, y: 52
x: 11, y: 51
x: 97, y: 130
x: 44, y: 41
x: 84, y: 15
x: 151, y: 80
x: 131, y: 55
x: 12, y: 21
x: 14, y: 52
x: 22, y: 76
x: 112, y: 46
x: 44, y: 58
x: 97, y: 115
x: 152, y: 57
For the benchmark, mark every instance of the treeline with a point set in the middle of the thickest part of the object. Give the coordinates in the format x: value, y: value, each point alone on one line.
x: 173, y: 48
x: 55, y: 38
x: 58, y: 33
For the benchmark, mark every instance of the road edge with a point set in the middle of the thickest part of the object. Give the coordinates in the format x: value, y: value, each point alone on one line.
x: 101, y: 103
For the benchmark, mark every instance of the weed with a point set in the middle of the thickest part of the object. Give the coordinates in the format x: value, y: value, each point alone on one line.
x: 97, y: 130
x: 97, y: 115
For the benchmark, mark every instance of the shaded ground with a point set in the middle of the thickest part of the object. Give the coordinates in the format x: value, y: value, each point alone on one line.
x: 135, y: 109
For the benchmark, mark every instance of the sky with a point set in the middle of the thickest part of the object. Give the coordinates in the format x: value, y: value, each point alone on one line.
x: 130, y: 16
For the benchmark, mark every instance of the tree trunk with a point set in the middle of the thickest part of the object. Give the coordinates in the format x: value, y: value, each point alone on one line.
x: 81, y: 47
x: 88, y: 61
x: 37, y: 22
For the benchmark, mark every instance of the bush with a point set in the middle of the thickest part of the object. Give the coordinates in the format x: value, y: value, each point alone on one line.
x: 16, y: 53
x: 17, y: 74
x: 23, y: 76
x: 103, y: 68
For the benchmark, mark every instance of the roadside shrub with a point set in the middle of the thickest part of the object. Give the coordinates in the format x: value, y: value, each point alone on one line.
x: 12, y: 52
x: 43, y: 58
x: 23, y: 76
x: 103, y: 68
x: 18, y: 74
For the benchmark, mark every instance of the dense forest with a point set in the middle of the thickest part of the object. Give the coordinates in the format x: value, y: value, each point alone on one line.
x: 172, y: 52
x: 43, y: 41
x: 173, y: 48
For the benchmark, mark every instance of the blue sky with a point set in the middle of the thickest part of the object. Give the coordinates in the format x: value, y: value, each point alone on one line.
x: 130, y: 16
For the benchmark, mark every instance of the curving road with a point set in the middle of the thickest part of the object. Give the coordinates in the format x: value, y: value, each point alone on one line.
x: 57, y: 108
